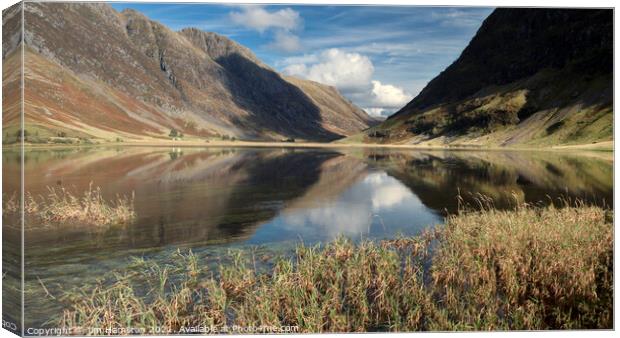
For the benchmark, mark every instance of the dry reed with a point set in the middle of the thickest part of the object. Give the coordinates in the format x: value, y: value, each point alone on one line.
x: 528, y: 268
x: 61, y: 207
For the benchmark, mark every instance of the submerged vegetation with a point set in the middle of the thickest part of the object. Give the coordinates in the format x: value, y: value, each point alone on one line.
x: 61, y: 207
x: 527, y: 268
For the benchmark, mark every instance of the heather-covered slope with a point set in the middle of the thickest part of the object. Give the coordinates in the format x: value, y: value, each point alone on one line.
x: 528, y: 77
x: 92, y: 72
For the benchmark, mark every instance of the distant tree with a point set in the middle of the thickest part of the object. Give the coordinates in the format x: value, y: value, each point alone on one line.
x: 232, y: 138
x: 62, y: 134
x: 173, y: 133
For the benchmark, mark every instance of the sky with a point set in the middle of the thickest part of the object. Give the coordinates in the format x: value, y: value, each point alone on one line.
x: 379, y: 57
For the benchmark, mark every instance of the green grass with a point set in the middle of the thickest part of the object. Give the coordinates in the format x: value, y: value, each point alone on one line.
x: 585, y: 126
x: 528, y: 268
x: 41, y: 134
x: 550, y: 108
x: 353, y: 139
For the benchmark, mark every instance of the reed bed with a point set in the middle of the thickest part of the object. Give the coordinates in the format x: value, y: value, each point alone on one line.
x: 528, y: 268
x: 62, y: 207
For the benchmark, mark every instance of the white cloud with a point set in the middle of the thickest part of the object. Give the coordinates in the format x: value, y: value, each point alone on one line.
x: 390, y: 49
x: 258, y: 18
x: 285, y: 42
x: 387, y: 191
x: 425, y: 46
x: 333, y: 218
x: 353, y: 213
x: 349, y: 72
x: 386, y: 95
x: 298, y: 69
x: 454, y: 17
x: 377, y: 112
x: 298, y: 60
x: 352, y: 73
x: 281, y: 23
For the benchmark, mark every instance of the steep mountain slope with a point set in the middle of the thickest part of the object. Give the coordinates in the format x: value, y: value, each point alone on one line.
x: 11, y: 71
x: 94, y: 72
x: 529, y: 76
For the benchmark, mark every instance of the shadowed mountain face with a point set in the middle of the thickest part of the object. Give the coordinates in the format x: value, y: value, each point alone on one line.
x: 94, y: 72
x: 533, y: 76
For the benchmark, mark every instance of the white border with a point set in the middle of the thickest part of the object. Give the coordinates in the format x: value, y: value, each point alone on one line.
x: 477, y: 3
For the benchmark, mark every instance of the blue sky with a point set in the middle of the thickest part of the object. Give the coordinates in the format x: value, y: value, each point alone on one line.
x: 379, y: 57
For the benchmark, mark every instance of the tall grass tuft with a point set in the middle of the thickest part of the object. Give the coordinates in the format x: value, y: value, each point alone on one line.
x: 528, y: 268
x: 61, y: 207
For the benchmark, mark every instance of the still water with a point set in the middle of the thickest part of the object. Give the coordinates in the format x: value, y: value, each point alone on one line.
x: 210, y: 200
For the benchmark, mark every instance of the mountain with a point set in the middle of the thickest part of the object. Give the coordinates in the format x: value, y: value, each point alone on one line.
x: 93, y: 72
x: 528, y: 77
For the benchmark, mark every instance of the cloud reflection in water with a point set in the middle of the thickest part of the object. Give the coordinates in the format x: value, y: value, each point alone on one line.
x: 376, y: 206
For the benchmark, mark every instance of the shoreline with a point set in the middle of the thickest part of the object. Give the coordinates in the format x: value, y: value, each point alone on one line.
x: 347, y: 286
x: 606, y: 146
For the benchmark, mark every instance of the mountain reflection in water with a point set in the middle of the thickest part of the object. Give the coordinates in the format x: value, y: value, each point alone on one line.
x: 214, y: 196
x: 212, y: 199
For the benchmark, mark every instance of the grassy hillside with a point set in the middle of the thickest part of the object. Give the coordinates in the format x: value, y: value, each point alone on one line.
x: 92, y: 72
x: 530, y: 77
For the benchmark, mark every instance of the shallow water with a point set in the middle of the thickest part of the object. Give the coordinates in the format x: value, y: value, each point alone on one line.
x: 209, y: 200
